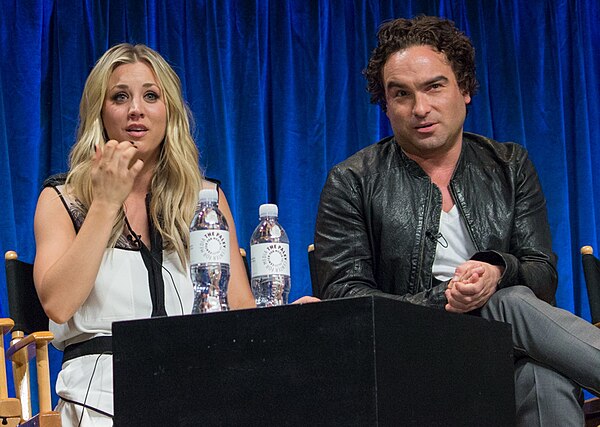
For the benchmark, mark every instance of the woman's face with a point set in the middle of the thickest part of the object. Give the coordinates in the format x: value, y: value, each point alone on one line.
x: 134, y: 109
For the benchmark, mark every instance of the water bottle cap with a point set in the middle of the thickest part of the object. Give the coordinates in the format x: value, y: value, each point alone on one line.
x: 268, y: 209
x: 208, y: 195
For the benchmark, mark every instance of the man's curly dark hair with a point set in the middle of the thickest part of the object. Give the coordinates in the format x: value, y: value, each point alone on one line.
x: 439, y: 33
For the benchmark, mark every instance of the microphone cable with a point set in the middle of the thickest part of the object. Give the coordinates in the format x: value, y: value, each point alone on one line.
x: 437, y: 237
x: 135, y: 237
x: 84, y: 405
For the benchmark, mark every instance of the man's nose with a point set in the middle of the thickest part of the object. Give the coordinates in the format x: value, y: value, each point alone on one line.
x: 422, y: 106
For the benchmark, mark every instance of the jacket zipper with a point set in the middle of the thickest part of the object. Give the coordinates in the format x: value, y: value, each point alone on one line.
x: 462, y: 215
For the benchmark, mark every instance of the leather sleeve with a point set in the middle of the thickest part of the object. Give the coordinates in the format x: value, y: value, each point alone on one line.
x: 530, y: 260
x: 342, y: 246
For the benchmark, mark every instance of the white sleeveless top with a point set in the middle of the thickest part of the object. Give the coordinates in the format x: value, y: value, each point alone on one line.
x: 121, y: 292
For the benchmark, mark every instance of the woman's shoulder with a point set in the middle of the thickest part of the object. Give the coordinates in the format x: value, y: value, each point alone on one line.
x: 210, y: 183
x: 55, y: 180
x: 77, y: 211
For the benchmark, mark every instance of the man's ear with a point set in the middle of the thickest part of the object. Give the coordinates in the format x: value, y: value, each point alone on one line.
x: 467, y: 97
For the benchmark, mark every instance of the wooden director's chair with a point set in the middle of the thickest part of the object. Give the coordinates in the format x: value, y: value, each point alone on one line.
x: 29, y: 340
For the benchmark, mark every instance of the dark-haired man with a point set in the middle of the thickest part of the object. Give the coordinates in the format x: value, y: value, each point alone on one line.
x: 443, y: 218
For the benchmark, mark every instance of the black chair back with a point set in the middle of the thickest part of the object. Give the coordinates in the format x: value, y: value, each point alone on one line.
x: 23, y: 302
x: 591, y: 271
x: 314, y: 280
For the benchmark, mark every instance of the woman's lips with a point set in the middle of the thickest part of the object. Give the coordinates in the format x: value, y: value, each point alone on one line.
x: 136, y: 132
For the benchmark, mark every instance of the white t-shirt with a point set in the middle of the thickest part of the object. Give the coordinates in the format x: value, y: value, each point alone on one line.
x: 454, y: 245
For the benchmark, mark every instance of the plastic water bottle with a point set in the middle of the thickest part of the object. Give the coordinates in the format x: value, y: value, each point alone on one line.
x: 270, y: 260
x: 209, y: 254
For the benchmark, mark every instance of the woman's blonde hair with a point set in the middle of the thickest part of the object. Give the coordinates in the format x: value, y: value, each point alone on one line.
x: 176, y: 179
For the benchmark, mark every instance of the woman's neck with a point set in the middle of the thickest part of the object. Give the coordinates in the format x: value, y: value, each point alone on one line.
x: 141, y: 185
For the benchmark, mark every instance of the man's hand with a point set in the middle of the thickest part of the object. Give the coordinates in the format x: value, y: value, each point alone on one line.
x: 473, y: 284
x: 306, y: 299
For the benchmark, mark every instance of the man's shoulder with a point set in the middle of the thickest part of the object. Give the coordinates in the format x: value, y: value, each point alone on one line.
x: 370, y: 159
x: 503, y: 151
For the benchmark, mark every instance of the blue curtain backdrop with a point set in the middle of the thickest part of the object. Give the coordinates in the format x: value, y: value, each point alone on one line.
x: 278, y: 97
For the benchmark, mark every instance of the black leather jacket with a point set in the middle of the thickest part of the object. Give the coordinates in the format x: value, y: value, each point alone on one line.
x: 379, y: 214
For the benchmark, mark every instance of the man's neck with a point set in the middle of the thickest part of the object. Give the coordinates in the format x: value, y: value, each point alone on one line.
x: 439, y: 166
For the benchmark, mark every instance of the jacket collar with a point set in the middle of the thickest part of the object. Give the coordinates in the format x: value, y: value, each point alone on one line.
x: 416, y: 170
x: 407, y: 163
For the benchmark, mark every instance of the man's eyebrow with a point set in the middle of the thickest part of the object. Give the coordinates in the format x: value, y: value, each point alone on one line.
x: 393, y: 83
x: 437, y: 79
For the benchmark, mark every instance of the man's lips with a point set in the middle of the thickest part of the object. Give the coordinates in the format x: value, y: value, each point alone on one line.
x: 425, y: 127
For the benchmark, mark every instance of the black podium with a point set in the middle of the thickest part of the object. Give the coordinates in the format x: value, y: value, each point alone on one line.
x: 368, y: 361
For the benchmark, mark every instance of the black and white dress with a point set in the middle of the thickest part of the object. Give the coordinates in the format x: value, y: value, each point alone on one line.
x: 121, y: 292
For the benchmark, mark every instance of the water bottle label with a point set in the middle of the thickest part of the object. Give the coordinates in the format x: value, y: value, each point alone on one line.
x: 270, y: 258
x: 212, y: 304
x: 209, y: 246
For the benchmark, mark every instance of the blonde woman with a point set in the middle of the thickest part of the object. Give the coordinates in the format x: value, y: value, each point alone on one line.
x: 112, y: 239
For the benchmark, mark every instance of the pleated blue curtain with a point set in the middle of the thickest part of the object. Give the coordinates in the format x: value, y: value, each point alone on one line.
x: 276, y: 90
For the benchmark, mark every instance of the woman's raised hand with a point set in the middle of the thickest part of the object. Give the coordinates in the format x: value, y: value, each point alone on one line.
x: 113, y: 171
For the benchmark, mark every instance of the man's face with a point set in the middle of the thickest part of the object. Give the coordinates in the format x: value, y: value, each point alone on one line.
x: 425, y: 106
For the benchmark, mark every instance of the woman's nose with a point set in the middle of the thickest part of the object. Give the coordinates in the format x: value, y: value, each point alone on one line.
x: 135, y: 109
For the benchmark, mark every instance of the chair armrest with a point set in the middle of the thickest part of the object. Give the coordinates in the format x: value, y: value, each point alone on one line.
x: 22, y: 350
x: 32, y: 342
x: 10, y: 407
x: 44, y: 419
x: 6, y: 324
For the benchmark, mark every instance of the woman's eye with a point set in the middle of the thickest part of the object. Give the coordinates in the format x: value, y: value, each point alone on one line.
x: 119, y: 97
x: 151, y: 96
